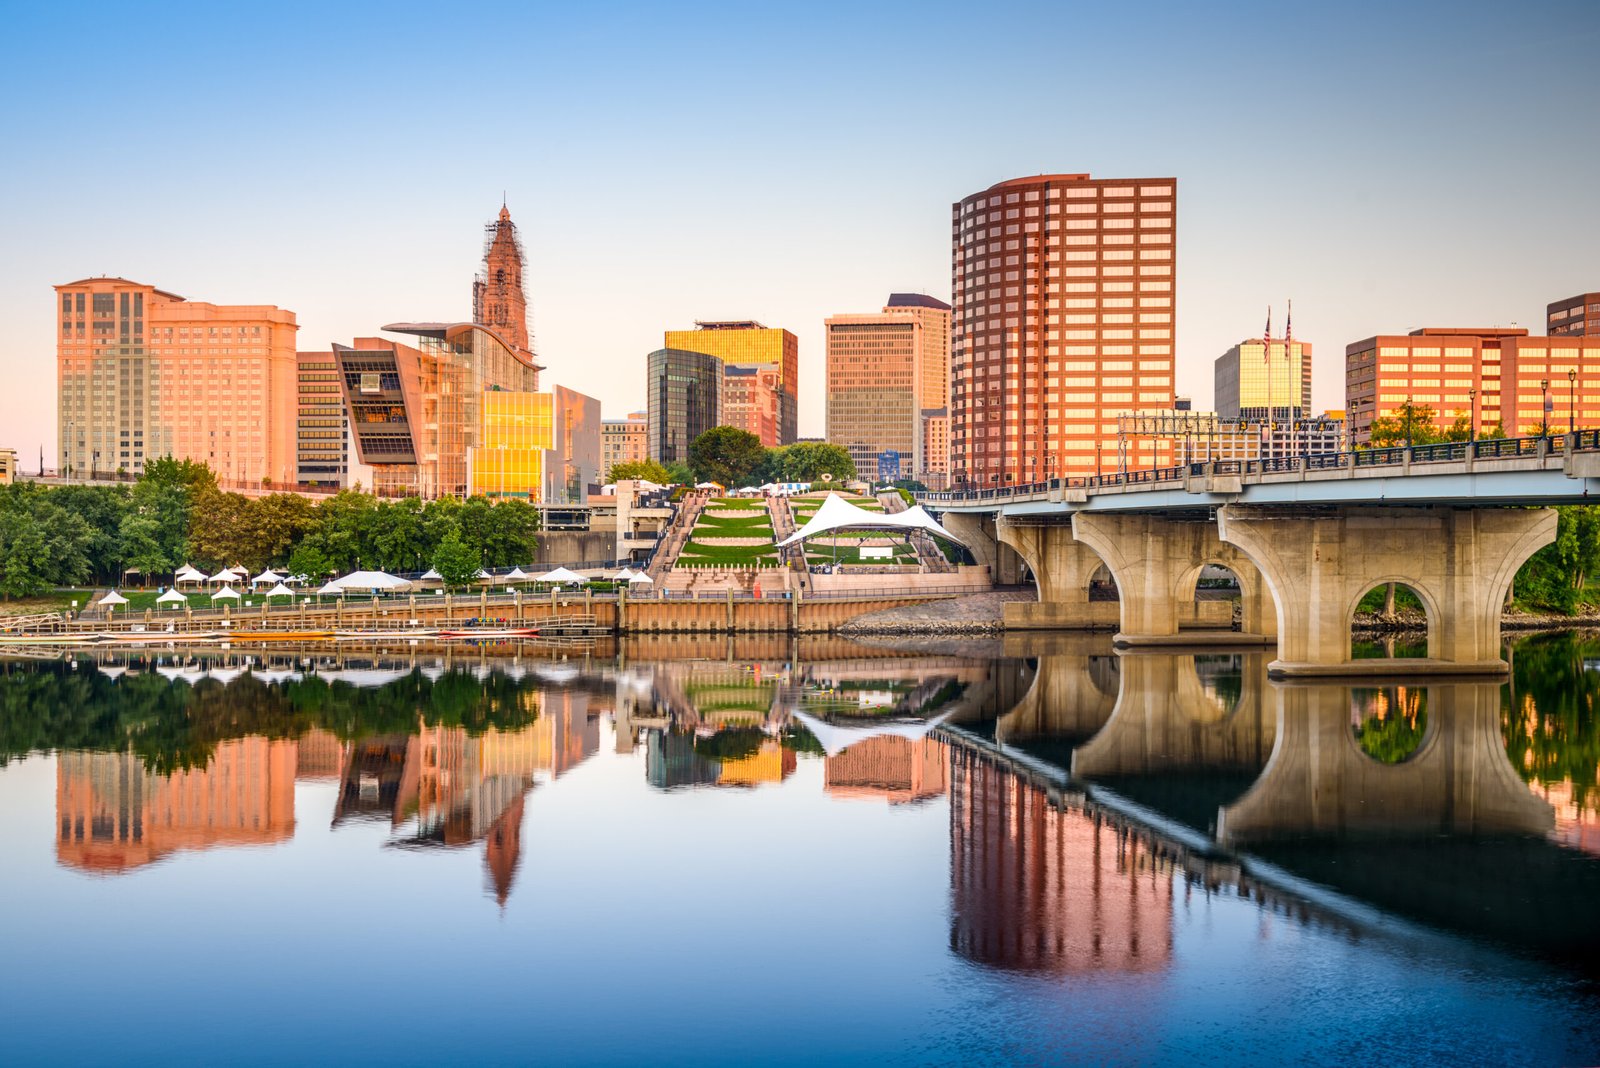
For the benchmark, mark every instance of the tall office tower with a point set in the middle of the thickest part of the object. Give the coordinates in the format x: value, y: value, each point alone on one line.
x: 1574, y: 315
x: 685, y: 400
x: 1064, y: 290
x: 623, y: 441
x: 1247, y: 384
x: 1452, y: 370
x: 885, y: 371
x: 143, y: 373
x: 497, y: 298
x: 322, y: 432
x: 747, y: 342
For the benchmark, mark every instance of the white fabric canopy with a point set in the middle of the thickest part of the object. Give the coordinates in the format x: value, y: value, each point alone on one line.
x: 224, y: 576
x: 227, y: 592
x: 332, y: 589
x: 265, y: 577
x: 836, y: 513
x: 112, y: 598
x: 836, y: 739
x: 172, y: 597
x: 624, y: 575
x: 371, y: 580
x: 431, y: 574
x: 186, y: 573
x: 280, y: 590
x: 641, y: 578
x: 708, y: 485
x: 561, y: 574
x: 238, y: 569
x: 516, y: 574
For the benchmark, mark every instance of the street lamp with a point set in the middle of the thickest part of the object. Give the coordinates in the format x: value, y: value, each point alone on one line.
x: 1544, y: 393
x: 1572, y: 399
x: 1408, y: 420
x: 1472, y: 405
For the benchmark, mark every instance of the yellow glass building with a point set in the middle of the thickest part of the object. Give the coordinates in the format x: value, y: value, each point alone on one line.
x: 517, y: 430
x: 748, y: 342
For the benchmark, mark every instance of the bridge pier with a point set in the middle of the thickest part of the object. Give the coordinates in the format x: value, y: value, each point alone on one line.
x: 1062, y: 567
x: 1460, y: 562
x: 1157, y: 562
x: 1319, y: 782
x: 977, y: 532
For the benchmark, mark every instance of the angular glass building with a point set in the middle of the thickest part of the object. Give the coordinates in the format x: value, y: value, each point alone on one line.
x: 685, y: 401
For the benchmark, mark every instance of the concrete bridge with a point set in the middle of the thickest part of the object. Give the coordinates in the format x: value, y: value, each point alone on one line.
x: 1307, y: 537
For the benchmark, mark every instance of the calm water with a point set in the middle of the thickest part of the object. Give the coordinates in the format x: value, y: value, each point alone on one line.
x: 1033, y: 852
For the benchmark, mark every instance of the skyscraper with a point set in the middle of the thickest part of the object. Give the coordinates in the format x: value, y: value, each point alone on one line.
x: 1574, y: 315
x: 1064, y: 290
x: 685, y: 398
x: 143, y: 373
x: 748, y: 342
x: 622, y: 441
x: 887, y: 372
x: 1247, y: 384
x: 497, y: 297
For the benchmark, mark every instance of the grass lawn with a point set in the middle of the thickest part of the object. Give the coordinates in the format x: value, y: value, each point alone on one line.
x: 55, y: 601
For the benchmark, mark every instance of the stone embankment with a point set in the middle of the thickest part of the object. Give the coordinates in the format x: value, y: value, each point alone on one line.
x: 978, y: 613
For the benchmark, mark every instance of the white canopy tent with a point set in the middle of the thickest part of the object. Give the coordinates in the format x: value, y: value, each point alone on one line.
x: 430, y: 575
x: 624, y: 575
x: 225, y: 576
x: 172, y: 597
x: 374, y: 581
x: 186, y: 573
x: 641, y: 579
x: 836, y: 513
x: 280, y: 590
x: 331, y: 589
x: 112, y: 599
x: 561, y: 574
x: 836, y: 739
x: 266, y: 578
x: 516, y: 574
x: 227, y: 593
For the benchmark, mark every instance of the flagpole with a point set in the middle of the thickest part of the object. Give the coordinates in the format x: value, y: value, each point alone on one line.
x: 1266, y: 358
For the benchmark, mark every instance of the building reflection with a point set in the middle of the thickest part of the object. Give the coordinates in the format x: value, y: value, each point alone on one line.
x: 889, y: 768
x: 115, y: 815
x: 1040, y: 887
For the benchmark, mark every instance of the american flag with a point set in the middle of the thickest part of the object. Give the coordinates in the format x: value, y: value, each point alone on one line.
x: 1266, y: 338
x: 1288, y: 329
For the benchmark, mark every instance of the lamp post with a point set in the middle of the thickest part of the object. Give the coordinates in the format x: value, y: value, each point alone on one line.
x: 1572, y: 399
x: 1544, y: 393
x: 1408, y: 420
x: 1472, y: 407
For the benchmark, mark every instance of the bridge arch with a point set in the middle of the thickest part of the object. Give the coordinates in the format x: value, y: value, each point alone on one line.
x: 1258, y: 607
x: 1419, y: 589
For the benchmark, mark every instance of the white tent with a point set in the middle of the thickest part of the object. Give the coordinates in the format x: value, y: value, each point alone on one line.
x: 624, y: 575
x: 836, y: 739
x: 836, y: 513
x: 187, y: 573
x: 708, y: 485
x: 225, y: 576
x: 482, y: 574
x: 226, y: 593
x: 238, y: 569
x: 280, y: 590
x: 430, y: 575
x: 371, y: 580
x: 172, y: 597
x: 266, y: 577
x: 641, y: 579
x: 225, y: 675
x: 112, y: 598
x: 561, y: 574
x: 516, y: 574
x: 332, y: 589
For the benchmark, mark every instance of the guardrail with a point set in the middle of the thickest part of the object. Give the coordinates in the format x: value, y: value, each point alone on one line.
x: 1403, y: 456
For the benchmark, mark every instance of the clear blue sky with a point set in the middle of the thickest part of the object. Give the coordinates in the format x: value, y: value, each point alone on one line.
x: 1386, y: 165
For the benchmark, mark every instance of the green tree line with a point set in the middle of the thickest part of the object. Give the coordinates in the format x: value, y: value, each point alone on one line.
x: 175, y: 514
x: 735, y: 458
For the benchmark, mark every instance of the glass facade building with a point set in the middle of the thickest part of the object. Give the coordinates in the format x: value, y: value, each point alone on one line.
x: 685, y: 395
x: 748, y: 342
x: 1247, y: 384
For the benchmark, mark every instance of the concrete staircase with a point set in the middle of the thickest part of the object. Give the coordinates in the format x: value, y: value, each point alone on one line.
x: 794, y: 557
x: 676, y: 537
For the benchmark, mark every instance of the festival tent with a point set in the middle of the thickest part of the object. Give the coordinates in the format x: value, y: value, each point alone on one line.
x: 641, y: 579
x: 836, y: 513
x: 225, y: 675
x: 172, y: 597
x: 561, y: 574
x: 280, y: 590
x: 516, y: 574
x: 430, y: 575
x: 835, y: 739
x: 624, y: 575
x: 226, y: 593
x: 186, y: 573
x: 708, y: 485
x: 266, y: 577
x: 371, y: 580
x: 482, y: 574
x: 225, y: 576
x: 112, y: 599
x: 331, y: 589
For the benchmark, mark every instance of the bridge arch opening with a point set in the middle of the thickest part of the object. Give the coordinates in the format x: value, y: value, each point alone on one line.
x: 1221, y: 678
x: 1389, y: 724
x: 1392, y: 619
x: 1103, y: 585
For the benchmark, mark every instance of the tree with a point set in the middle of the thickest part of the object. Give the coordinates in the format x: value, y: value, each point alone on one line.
x: 679, y: 474
x: 308, y: 560
x: 456, y: 564
x: 139, y: 546
x: 1415, y: 424
x: 725, y: 455
x: 645, y: 469
x: 807, y: 461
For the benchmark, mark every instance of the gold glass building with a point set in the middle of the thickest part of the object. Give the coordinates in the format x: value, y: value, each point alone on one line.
x: 748, y: 342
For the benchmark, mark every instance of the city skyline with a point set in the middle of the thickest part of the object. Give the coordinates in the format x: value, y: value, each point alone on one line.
x: 660, y: 225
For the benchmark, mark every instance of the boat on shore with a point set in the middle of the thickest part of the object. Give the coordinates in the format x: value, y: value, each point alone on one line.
x: 490, y: 632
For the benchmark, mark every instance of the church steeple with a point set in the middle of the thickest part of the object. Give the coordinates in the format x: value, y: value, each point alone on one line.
x: 497, y: 298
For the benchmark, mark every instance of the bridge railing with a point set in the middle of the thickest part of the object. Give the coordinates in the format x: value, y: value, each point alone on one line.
x: 1390, y: 456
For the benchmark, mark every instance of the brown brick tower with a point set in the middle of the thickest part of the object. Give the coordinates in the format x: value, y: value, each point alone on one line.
x: 497, y: 299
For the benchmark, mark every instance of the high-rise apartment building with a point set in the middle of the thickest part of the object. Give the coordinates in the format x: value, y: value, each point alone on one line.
x: 685, y: 400
x: 1064, y: 289
x: 498, y: 301
x: 884, y: 370
x: 623, y: 441
x: 322, y: 433
x: 1498, y: 377
x: 1250, y: 386
x: 143, y: 373
x: 1574, y: 315
x: 752, y: 400
x: 746, y: 342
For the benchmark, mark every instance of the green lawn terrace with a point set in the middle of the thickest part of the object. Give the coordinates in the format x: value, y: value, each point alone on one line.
x: 731, y: 532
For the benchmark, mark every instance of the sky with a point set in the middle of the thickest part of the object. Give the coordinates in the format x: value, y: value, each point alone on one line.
x: 1386, y: 166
